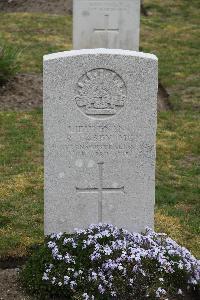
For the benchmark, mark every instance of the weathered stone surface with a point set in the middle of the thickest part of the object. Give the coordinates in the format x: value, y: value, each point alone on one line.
x: 111, y: 24
x: 99, y: 128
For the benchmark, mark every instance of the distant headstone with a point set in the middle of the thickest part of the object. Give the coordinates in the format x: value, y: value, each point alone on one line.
x: 99, y: 130
x: 111, y: 24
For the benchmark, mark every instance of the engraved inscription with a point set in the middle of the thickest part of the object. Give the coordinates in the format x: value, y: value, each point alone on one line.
x: 108, y: 5
x: 100, y: 189
x: 98, y: 140
x: 101, y: 93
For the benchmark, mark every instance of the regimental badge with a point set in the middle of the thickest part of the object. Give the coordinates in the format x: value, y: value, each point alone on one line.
x: 101, y: 93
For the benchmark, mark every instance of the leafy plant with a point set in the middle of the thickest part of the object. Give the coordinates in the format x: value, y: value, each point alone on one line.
x: 104, y: 262
x: 9, y: 64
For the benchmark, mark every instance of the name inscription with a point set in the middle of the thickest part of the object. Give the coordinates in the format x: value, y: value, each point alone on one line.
x: 103, y: 5
x: 99, y: 140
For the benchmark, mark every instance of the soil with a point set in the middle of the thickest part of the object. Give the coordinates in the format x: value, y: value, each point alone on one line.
x: 43, y: 6
x: 39, y: 6
x: 24, y: 92
x: 9, y: 286
x: 163, y: 98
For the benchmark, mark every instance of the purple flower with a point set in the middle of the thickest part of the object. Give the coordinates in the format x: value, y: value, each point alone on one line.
x: 98, y: 258
x: 101, y: 289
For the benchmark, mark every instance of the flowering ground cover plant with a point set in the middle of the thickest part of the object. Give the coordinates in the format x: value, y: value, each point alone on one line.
x: 104, y: 262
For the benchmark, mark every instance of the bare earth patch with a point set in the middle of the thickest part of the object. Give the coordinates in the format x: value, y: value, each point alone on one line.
x: 24, y: 92
x: 39, y: 6
x: 43, y: 6
x: 9, y: 286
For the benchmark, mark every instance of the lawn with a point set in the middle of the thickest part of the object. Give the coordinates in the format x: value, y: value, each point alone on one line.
x: 170, y: 32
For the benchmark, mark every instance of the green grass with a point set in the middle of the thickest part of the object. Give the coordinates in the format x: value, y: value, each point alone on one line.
x: 171, y: 33
x: 177, y: 178
x: 36, y: 35
x: 9, y: 64
x: 21, y: 181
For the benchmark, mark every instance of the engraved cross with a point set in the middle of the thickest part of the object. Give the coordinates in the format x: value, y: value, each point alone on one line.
x: 106, y: 29
x: 100, y: 189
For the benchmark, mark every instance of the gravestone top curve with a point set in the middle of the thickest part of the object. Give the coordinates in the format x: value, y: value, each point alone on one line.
x: 99, y: 51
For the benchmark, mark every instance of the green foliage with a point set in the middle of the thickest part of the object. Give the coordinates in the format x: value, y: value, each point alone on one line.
x: 9, y: 63
x: 31, y: 275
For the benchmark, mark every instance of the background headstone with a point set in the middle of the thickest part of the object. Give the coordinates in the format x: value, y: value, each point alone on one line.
x: 99, y: 129
x: 111, y: 24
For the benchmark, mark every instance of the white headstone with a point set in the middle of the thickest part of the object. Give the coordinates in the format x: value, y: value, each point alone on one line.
x: 99, y: 129
x: 111, y: 24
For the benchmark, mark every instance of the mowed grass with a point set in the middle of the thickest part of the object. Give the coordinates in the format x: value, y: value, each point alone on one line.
x: 36, y: 35
x: 171, y: 33
x: 21, y: 181
x: 177, y: 178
